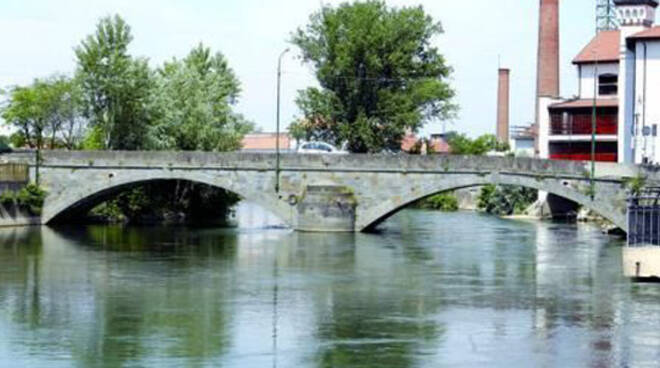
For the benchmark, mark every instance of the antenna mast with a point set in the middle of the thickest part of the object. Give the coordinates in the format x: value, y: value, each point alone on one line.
x: 605, y: 16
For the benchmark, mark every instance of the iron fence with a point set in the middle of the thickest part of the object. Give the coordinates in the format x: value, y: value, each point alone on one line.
x: 644, y: 218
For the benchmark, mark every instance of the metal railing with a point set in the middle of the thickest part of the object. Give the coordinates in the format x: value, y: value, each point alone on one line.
x: 580, y: 124
x: 644, y: 218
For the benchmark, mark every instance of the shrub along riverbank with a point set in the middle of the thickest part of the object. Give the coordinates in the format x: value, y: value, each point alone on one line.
x: 29, y: 200
x: 445, y: 202
x: 170, y: 202
x: 502, y: 200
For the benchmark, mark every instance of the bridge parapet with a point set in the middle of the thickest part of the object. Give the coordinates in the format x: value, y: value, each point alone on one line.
x: 352, y: 162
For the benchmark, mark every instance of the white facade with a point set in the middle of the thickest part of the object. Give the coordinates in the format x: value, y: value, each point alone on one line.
x: 645, y: 115
x: 544, y: 125
x: 587, y: 73
x: 639, y: 86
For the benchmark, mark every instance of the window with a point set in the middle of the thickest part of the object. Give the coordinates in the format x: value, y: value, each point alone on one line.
x: 608, y: 84
x: 324, y: 147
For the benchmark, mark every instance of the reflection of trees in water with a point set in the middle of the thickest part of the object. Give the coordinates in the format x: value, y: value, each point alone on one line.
x: 126, y: 295
x: 20, y: 252
x: 580, y: 285
x: 134, y: 303
x: 361, y: 319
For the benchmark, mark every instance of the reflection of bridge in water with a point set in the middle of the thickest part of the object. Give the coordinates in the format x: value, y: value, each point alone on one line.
x: 210, y: 295
x: 325, y: 193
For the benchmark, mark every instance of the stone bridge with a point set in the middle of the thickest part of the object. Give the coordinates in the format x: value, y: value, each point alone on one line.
x: 324, y: 192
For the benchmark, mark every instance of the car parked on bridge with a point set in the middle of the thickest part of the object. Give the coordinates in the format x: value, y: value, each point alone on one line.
x: 319, y: 148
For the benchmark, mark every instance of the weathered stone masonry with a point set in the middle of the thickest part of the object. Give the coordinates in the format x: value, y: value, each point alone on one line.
x: 324, y: 192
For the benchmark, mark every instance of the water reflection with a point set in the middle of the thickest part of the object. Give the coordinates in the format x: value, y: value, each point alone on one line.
x: 430, y: 290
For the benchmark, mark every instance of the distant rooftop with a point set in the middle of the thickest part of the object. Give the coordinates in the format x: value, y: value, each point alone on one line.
x: 602, y: 48
x: 651, y: 33
x: 586, y: 103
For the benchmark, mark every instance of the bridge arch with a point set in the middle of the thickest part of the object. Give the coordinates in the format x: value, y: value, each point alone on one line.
x: 372, y: 217
x: 62, y: 200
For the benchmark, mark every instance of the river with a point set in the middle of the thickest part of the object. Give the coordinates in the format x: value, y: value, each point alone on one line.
x: 429, y: 290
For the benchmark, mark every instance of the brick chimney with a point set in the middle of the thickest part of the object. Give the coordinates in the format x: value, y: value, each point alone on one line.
x: 548, y: 52
x: 547, y: 72
x: 503, y: 106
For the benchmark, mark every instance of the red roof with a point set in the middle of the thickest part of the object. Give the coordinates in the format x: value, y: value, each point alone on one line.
x: 653, y: 32
x: 602, y: 48
x: 408, y: 142
x: 265, y: 141
x: 584, y: 103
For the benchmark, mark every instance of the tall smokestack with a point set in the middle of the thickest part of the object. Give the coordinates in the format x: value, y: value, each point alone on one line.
x: 547, y: 84
x: 503, y: 106
x: 547, y: 72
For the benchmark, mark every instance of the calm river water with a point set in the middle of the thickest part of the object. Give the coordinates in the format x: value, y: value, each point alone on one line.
x: 431, y: 290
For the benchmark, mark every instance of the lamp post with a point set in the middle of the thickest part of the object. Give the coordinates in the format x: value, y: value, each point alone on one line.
x: 594, y: 112
x: 277, y: 134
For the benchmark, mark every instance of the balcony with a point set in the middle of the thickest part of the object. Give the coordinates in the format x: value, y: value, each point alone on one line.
x: 580, y: 124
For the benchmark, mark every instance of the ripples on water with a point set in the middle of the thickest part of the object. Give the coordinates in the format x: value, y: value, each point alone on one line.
x: 431, y: 289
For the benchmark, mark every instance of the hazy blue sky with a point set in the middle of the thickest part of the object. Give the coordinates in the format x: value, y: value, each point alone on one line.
x: 38, y: 37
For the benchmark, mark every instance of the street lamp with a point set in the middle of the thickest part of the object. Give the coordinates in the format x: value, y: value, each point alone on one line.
x: 277, y: 134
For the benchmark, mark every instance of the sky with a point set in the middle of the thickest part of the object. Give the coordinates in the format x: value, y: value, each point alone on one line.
x: 38, y: 38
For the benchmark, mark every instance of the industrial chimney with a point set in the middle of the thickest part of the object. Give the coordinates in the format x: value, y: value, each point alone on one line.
x: 547, y: 72
x: 548, y: 52
x: 503, y: 106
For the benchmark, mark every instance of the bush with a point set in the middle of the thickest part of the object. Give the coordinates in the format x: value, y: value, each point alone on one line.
x: 17, y: 140
x: 8, y: 198
x: 460, y: 144
x: 31, y: 198
x: 5, y: 146
x: 506, y: 200
x: 446, y: 202
x: 168, y: 201
x: 108, y: 211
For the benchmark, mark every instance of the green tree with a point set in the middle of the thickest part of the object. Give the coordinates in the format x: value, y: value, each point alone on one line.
x: 195, y: 104
x: 116, y: 87
x: 445, y: 202
x: 460, y: 144
x: 506, y: 200
x: 45, y: 113
x: 30, y: 110
x: 70, y: 110
x: 379, y: 75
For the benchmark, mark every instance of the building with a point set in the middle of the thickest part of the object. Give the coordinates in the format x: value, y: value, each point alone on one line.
x: 267, y: 142
x: 619, y: 77
x: 439, y: 143
x: 522, y: 140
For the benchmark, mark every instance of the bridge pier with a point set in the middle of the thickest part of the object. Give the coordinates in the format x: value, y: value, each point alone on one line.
x: 326, y: 208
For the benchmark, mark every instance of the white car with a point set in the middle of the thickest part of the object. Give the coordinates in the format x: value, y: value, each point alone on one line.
x: 319, y: 148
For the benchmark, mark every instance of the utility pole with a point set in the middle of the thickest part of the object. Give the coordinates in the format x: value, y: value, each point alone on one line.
x: 592, y: 183
x: 277, y: 134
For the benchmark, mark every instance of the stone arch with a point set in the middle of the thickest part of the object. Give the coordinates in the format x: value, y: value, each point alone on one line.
x: 67, y: 196
x: 371, y: 217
